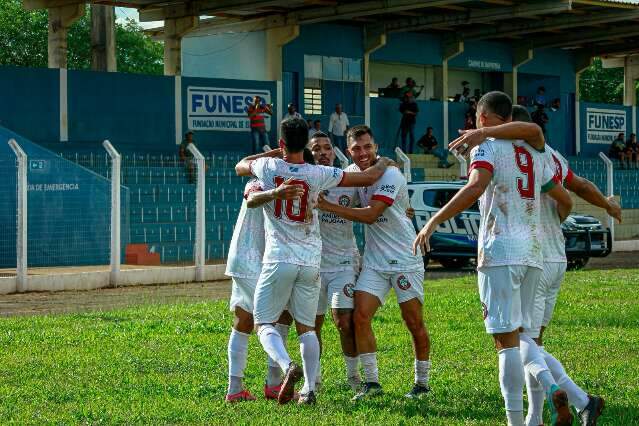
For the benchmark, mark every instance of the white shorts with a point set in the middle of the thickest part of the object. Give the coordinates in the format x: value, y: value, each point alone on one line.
x: 337, y: 287
x: 407, y: 285
x: 507, y: 295
x: 546, y: 296
x: 282, y: 284
x: 242, y: 293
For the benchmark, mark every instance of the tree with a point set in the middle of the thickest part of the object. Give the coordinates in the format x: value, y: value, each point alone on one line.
x: 603, y: 85
x: 24, y: 34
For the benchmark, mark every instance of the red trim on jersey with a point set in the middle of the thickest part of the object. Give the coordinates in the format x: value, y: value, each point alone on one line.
x: 342, y: 179
x: 557, y: 180
x: 252, y: 190
x: 251, y: 167
x: 383, y: 198
x: 294, y: 162
x: 480, y: 165
x: 569, y: 177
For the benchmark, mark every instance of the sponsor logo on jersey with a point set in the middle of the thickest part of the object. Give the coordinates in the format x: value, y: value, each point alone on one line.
x: 387, y: 188
x: 484, y: 310
x: 349, y: 289
x: 293, y: 169
x: 403, y: 283
x: 393, y: 262
x: 344, y: 200
x: 336, y: 172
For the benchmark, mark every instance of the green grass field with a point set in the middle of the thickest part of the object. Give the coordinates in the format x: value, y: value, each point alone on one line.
x: 167, y: 364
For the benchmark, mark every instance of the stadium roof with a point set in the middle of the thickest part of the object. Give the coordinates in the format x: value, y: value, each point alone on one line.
x: 598, y: 26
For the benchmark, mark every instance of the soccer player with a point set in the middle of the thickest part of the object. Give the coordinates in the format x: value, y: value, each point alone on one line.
x: 588, y: 407
x: 388, y: 263
x: 509, y: 178
x: 290, y: 267
x: 243, y: 266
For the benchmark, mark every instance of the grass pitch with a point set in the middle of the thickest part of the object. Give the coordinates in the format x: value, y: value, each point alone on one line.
x: 164, y: 364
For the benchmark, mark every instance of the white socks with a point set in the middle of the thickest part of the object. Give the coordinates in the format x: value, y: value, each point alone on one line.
x: 511, y: 382
x: 309, y: 347
x: 237, y: 355
x: 422, y: 371
x: 274, y: 345
x: 576, y: 396
x: 536, y: 397
x: 369, y: 363
x: 352, y: 366
x: 274, y: 374
x: 534, y: 362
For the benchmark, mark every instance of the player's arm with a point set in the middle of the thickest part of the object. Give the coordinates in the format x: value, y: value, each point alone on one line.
x: 366, y: 215
x: 589, y: 192
x: 368, y: 176
x: 243, y: 168
x: 285, y: 191
x: 477, y: 182
x: 528, y: 132
x: 558, y: 193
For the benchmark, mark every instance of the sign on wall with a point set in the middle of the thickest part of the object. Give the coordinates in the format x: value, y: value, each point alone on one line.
x: 485, y: 65
x: 603, y: 125
x: 222, y: 109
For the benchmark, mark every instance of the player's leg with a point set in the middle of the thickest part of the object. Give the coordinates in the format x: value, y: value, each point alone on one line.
x: 319, y: 322
x: 274, y: 377
x: 409, y: 288
x: 322, y: 306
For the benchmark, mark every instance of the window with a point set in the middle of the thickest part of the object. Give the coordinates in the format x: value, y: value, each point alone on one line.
x: 440, y: 197
x: 312, y: 101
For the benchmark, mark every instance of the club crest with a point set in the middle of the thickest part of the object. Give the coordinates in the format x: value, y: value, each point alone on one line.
x: 349, y: 289
x: 403, y: 283
x: 344, y: 200
x: 484, y: 310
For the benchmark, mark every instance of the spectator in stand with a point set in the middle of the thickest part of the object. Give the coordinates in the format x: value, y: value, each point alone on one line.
x: 540, y: 97
x: 314, y: 128
x: 617, y: 150
x: 292, y: 113
x: 477, y: 95
x: 337, y: 127
x: 256, y: 112
x: 555, y: 105
x: 429, y: 144
x: 411, y: 87
x: 186, y: 156
x: 471, y: 116
x: 465, y: 97
x: 539, y: 117
x: 409, y: 110
x: 309, y: 123
x: 394, y: 84
x: 632, y: 151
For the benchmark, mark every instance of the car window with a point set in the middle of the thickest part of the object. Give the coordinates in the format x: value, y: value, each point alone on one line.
x: 438, y: 198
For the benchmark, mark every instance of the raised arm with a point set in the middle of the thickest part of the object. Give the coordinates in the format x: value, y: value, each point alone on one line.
x: 243, y: 168
x: 528, y: 132
x: 477, y: 182
x: 368, y: 176
x: 366, y: 215
x: 284, y: 191
x: 589, y: 192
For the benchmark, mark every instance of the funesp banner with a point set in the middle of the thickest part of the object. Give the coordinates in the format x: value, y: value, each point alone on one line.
x: 223, y: 109
x: 603, y: 125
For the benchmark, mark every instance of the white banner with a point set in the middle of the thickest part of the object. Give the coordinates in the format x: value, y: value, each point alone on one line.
x: 223, y: 109
x: 603, y: 125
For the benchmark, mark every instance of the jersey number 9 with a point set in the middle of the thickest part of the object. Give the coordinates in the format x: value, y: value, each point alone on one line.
x: 525, y: 164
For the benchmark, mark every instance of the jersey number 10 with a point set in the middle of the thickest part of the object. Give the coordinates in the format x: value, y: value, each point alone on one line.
x: 525, y: 164
x: 293, y: 214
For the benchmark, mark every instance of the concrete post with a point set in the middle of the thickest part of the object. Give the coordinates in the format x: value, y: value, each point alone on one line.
x: 374, y: 38
x: 60, y: 19
x: 582, y: 61
x: 450, y: 51
x: 174, y: 30
x: 103, y: 38
x: 521, y: 55
x: 276, y: 38
x: 630, y: 75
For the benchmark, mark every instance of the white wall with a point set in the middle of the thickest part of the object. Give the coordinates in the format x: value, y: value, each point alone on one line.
x: 241, y: 55
x: 382, y: 73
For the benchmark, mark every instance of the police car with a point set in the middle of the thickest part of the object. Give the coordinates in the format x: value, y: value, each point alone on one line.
x: 454, y: 244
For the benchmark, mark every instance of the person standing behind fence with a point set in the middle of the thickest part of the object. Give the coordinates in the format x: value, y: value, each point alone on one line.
x: 186, y: 156
x: 256, y: 112
x: 337, y: 127
x: 409, y: 110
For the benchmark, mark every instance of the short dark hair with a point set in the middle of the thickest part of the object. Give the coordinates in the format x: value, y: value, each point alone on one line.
x: 358, y: 131
x: 429, y: 128
x: 520, y: 113
x: 317, y: 121
x: 496, y: 102
x: 294, y: 134
x: 320, y: 134
x: 308, y: 156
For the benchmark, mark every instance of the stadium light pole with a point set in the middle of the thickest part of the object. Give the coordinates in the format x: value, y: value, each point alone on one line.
x: 21, y: 216
x: 116, y: 160
x: 200, y: 213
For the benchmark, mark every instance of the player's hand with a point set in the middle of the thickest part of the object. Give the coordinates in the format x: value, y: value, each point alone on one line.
x: 614, y: 209
x: 321, y: 202
x: 277, y: 153
x: 467, y: 140
x: 286, y: 191
x: 410, y: 213
x: 422, y: 241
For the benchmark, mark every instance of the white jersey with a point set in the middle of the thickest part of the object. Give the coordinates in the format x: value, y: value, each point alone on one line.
x: 339, y: 249
x: 553, y: 243
x: 292, y: 226
x: 510, y: 207
x: 389, y: 240
x: 247, y: 244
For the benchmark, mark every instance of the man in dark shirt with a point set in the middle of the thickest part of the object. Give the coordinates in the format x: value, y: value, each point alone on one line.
x: 540, y: 118
x: 617, y: 150
x: 409, y: 110
x: 429, y: 144
x: 187, y: 157
x: 632, y: 151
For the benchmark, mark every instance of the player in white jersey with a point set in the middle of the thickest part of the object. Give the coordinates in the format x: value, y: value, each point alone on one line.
x: 243, y: 266
x: 588, y: 407
x: 340, y: 263
x: 509, y: 178
x: 290, y: 267
x: 388, y: 263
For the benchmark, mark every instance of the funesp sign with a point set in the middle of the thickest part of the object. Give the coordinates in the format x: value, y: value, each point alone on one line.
x: 222, y: 109
x: 603, y: 125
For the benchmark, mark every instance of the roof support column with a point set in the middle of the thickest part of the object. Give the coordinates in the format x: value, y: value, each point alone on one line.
x: 521, y: 55
x: 103, y: 38
x: 582, y: 61
x: 630, y: 75
x: 174, y: 30
x: 374, y: 38
x: 276, y: 38
x: 450, y: 50
x: 60, y: 19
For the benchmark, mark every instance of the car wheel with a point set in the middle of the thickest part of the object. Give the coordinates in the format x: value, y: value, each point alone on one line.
x: 455, y: 262
x: 576, y: 264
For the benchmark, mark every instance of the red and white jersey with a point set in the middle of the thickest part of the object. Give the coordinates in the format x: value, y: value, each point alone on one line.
x: 339, y: 249
x: 247, y: 244
x: 510, y: 207
x: 552, y: 238
x: 389, y: 241
x: 292, y: 226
